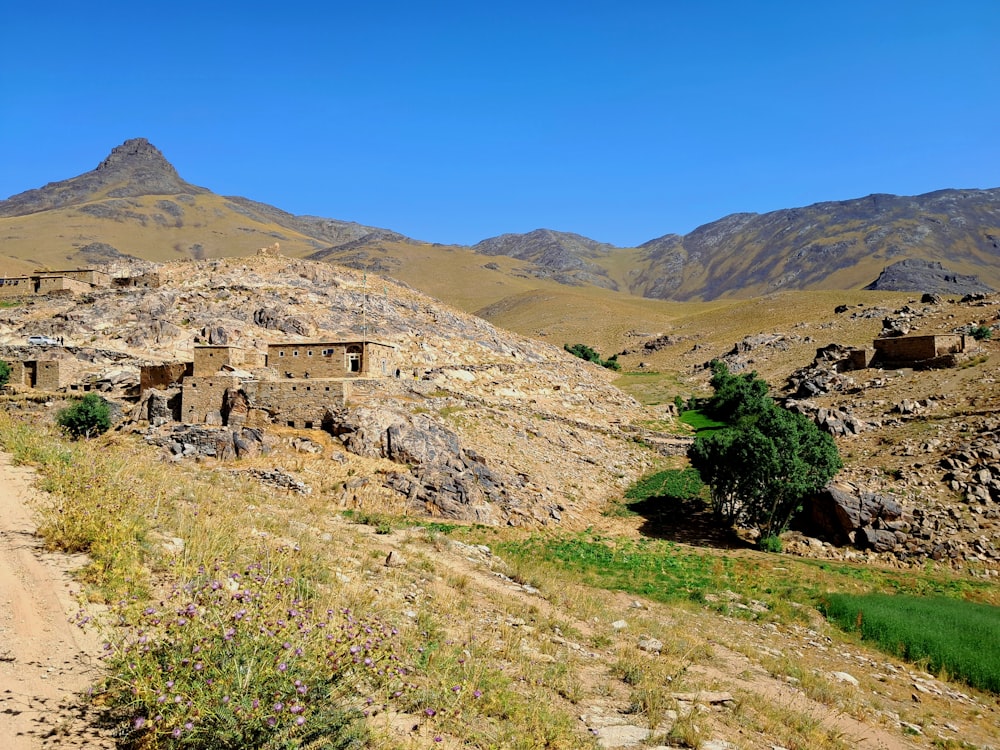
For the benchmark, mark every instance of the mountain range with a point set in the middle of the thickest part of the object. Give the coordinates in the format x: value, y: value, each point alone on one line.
x: 135, y: 203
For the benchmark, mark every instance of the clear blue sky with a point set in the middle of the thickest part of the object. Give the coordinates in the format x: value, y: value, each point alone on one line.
x: 456, y: 121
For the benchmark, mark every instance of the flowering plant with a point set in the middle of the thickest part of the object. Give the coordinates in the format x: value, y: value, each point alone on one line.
x: 242, y: 660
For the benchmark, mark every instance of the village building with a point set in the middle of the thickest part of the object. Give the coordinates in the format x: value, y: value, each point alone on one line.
x: 142, y: 281
x: 935, y: 350
x: 333, y: 359
x: 43, y: 374
x: 295, y: 385
x: 77, y: 281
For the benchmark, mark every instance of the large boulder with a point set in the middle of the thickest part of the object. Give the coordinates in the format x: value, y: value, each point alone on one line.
x: 441, y: 477
x: 843, y: 515
x: 184, y: 441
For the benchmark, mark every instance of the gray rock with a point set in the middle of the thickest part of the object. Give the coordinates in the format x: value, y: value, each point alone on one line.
x: 442, y: 475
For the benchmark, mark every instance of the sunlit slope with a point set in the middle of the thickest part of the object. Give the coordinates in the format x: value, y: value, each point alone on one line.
x: 158, y: 228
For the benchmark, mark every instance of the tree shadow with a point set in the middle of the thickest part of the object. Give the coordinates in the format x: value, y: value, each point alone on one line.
x: 684, y: 520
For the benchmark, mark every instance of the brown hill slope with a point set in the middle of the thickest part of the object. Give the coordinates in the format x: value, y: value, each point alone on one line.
x: 135, y: 203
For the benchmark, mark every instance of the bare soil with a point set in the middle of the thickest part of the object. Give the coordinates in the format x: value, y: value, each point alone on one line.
x: 46, y: 662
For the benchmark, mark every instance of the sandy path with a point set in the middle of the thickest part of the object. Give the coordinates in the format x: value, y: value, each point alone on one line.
x: 45, y: 662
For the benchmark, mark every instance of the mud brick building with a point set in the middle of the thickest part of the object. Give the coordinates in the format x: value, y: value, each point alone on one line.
x: 77, y: 281
x: 333, y: 359
x: 930, y: 351
x: 43, y: 374
x: 296, y: 385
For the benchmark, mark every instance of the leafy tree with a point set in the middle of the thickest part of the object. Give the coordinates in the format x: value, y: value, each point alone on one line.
x: 4, y: 373
x: 585, y: 352
x: 87, y: 418
x: 761, y: 468
x: 736, y: 396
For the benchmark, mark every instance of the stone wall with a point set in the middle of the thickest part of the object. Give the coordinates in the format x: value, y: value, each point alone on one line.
x: 203, y: 397
x: 55, y: 284
x: 332, y: 359
x: 88, y: 276
x: 19, y: 374
x: 51, y: 374
x: 143, y: 281
x: 297, y: 403
x: 163, y: 376
x: 860, y: 359
x: 208, y: 360
x: 16, y: 286
x: 918, y: 348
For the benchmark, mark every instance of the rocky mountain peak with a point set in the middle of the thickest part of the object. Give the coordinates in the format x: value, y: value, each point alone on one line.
x: 133, y: 153
x: 134, y: 169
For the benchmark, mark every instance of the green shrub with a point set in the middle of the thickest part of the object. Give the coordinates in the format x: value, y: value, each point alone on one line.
x: 585, y: 352
x: 88, y: 418
x: 4, y: 373
x: 981, y: 333
x: 770, y: 544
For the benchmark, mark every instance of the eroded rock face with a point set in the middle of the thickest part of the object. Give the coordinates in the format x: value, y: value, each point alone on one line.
x: 213, y: 442
x: 866, y: 519
x: 443, y: 477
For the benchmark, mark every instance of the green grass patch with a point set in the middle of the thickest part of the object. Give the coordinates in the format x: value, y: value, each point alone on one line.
x: 700, y: 422
x: 958, y: 638
x: 650, y: 388
x: 662, y: 571
x: 666, y: 571
x: 680, y: 484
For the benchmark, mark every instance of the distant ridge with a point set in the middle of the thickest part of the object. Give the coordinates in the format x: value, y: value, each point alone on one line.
x: 135, y: 202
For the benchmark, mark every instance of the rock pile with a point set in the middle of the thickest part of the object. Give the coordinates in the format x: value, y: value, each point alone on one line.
x: 282, y: 480
x: 444, y: 477
x: 974, y: 469
x: 189, y: 441
x: 835, y: 421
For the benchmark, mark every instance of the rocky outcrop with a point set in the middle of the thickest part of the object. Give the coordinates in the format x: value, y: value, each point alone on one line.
x: 917, y: 275
x: 844, y: 515
x: 273, y: 320
x: 832, y: 420
x: 743, y: 352
x: 442, y: 476
x: 189, y: 441
x: 974, y: 469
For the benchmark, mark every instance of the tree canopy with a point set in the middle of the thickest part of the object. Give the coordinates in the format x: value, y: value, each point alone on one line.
x: 89, y: 417
x: 766, y: 462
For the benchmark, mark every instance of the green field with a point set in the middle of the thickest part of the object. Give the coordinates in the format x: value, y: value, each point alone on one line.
x: 951, y: 636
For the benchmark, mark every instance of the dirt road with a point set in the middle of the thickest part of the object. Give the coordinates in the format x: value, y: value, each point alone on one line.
x: 45, y: 662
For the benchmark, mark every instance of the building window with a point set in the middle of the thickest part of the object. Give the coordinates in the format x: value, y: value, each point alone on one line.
x: 309, y: 425
x: 291, y: 422
x: 281, y: 354
x: 353, y: 358
x: 309, y: 353
x: 295, y: 353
